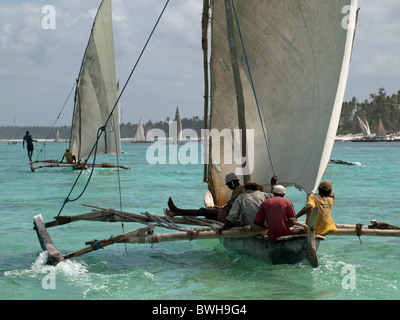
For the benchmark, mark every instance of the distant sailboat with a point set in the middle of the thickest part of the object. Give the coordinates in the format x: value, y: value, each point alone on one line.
x: 95, y: 96
x: 57, y: 138
x: 364, y: 127
x: 367, y: 135
x: 381, y: 132
x: 175, y: 128
x: 139, y: 137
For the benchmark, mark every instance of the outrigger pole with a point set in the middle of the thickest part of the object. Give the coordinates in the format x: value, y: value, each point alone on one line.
x: 147, y: 234
x: 76, y: 166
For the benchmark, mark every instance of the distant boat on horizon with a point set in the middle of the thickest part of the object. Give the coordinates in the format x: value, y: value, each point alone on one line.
x: 139, y: 137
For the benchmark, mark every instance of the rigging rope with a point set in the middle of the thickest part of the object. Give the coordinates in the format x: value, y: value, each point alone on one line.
x: 254, y: 90
x: 119, y: 178
x: 103, y: 128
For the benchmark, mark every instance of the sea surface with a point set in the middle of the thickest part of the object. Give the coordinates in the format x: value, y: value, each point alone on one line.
x: 349, y: 269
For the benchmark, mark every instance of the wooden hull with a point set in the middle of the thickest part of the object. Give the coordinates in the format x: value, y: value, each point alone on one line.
x: 75, y: 166
x: 286, y: 250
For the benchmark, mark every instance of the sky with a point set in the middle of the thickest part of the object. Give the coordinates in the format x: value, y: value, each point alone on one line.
x: 39, y: 65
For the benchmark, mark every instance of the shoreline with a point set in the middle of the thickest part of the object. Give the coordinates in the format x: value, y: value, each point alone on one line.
x: 66, y: 141
x: 347, y: 137
x: 359, y: 136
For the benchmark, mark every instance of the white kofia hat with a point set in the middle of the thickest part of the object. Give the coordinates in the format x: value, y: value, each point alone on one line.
x: 278, y: 189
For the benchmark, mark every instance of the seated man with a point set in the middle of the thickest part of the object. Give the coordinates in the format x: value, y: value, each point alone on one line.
x: 277, y: 213
x: 68, y: 156
x: 216, y: 213
x: 245, y: 208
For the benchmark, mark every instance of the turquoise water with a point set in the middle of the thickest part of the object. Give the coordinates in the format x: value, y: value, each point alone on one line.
x: 189, y: 270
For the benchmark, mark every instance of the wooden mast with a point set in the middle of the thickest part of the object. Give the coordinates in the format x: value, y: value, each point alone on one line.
x: 238, y: 82
x: 80, y: 122
x: 204, y: 44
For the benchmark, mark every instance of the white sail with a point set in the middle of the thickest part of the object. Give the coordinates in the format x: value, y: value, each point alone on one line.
x: 299, y: 54
x: 139, y: 135
x: 96, y: 92
x: 364, y: 127
x: 381, y: 132
x: 178, y: 134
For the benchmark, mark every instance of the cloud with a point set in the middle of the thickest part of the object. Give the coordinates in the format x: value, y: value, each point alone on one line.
x: 376, y: 59
x: 38, y: 67
x: 377, y: 43
x: 43, y: 64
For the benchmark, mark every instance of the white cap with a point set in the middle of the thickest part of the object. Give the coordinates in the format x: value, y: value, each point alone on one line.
x: 278, y: 189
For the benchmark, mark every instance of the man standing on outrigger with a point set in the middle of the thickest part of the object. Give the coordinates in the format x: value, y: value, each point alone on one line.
x: 29, y: 144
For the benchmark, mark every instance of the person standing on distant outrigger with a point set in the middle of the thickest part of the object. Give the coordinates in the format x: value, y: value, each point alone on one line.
x: 29, y: 144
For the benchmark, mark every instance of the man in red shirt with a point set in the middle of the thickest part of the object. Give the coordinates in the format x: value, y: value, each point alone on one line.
x: 277, y: 212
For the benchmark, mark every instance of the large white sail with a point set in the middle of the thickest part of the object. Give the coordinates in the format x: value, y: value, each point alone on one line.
x: 299, y: 54
x: 96, y: 91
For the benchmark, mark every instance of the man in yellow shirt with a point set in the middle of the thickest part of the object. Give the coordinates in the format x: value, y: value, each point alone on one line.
x: 324, y: 201
x: 68, y: 156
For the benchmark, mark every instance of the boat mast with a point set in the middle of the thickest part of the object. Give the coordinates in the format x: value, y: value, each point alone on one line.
x: 204, y: 44
x: 78, y: 104
x: 238, y: 82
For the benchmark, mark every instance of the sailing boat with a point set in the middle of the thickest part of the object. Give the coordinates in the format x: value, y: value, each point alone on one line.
x: 175, y: 128
x: 367, y: 136
x: 364, y: 128
x: 364, y: 125
x: 57, y: 138
x: 299, y: 55
x: 381, y: 132
x: 283, y: 79
x: 139, y: 137
x: 95, y: 96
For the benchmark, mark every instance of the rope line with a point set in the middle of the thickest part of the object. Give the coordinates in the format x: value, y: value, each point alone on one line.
x: 254, y: 91
x: 103, y: 128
